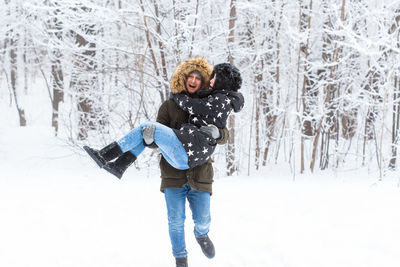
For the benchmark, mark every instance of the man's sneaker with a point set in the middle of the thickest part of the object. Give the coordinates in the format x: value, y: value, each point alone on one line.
x: 181, y: 262
x: 206, y: 246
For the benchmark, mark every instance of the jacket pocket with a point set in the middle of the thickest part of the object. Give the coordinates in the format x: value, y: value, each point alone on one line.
x: 205, y: 173
x: 167, y: 171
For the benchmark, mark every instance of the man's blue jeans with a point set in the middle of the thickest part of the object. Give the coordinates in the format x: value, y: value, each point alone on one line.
x: 165, y: 138
x: 199, y: 203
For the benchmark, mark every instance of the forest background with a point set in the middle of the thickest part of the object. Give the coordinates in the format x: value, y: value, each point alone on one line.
x: 321, y: 78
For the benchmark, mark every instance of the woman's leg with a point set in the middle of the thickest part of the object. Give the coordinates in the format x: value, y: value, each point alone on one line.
x: 132, y: 141
x: 170, y: 146
x: 175, y: 199
x: 165, y: 138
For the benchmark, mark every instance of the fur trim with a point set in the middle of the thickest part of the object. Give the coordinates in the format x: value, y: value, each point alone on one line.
x: 184, y: 68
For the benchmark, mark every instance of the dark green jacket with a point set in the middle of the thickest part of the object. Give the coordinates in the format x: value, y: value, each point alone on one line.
x: 199, y: 177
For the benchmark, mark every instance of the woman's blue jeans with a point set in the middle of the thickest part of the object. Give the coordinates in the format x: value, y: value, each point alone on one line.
x: 199, y: 203
x: 166, y: 140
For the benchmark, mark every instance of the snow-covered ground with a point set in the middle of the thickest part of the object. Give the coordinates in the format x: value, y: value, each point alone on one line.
x: 58, y: 209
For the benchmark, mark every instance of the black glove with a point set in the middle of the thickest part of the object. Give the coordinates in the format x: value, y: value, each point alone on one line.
x: 211, y: 130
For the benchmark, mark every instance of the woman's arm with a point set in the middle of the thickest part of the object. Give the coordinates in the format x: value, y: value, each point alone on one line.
x: 195, y: 106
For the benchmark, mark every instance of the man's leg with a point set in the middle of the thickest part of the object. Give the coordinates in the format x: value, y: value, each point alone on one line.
x: 200, y: 205
x: 175, y: 199
x: 199, y: 202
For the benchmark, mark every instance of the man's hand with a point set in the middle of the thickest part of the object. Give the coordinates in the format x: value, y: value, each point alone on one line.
x: 211, y: 130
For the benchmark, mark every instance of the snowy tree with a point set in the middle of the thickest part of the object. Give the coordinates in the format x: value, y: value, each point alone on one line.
x: 320, y: 78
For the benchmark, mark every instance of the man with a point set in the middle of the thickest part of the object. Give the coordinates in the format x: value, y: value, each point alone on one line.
x: 194, y: 184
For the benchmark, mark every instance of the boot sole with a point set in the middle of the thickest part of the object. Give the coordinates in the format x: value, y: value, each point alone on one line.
x: 110, y: 170
x: 93, y: 156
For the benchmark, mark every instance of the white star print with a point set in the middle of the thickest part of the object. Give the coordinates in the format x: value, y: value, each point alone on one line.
x: 196, y: 159
x: 190, y: 153
x: 205, y: 150
x: 219, y: 115
x: 190, y: 131
x: 190, y: 145
x: 194, y: 119
x: 208, y: 104
x: 228, y: 101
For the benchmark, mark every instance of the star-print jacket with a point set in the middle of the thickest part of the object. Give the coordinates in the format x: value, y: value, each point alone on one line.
x: 204, y: 108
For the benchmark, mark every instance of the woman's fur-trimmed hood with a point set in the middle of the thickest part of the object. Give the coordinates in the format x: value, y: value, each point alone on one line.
x: 184, y: 68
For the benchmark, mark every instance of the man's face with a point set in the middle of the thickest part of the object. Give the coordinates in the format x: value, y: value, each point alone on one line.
x: 193, y: 83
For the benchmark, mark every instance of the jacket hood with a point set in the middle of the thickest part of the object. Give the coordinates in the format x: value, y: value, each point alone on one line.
x: 228, y: 77
x: 184, y: 68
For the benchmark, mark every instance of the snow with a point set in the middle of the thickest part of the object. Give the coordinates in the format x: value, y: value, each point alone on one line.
x: 59, y: 209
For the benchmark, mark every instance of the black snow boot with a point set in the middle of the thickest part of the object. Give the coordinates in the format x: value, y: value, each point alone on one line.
x: 119, y: 166
x: 105, y: 154
x: 206, y: 246
x: 181, y: 262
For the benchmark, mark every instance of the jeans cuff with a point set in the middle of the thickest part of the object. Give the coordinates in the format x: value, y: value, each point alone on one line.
x: 182, y: 254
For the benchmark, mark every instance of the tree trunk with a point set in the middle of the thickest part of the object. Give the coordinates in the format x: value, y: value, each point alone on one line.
x: 162, y: 54
x: 306, y: 127
x: 230, y: 156
x: 396, y: 102
x: 177, y: 8
x: 14, y: 78
x: 56, y: 70
x: 85, y: 81
x: 58, y: 92
x: 194, y: 28
x: 328, y: 125
x: 270, y: 96
x: 257, y: 79
x: 395, y: 123
x: 152, y: 53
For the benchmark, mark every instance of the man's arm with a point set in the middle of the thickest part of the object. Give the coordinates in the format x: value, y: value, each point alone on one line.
x: 163, y: 115
x: 224, y: 136
x: 163, y: 118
